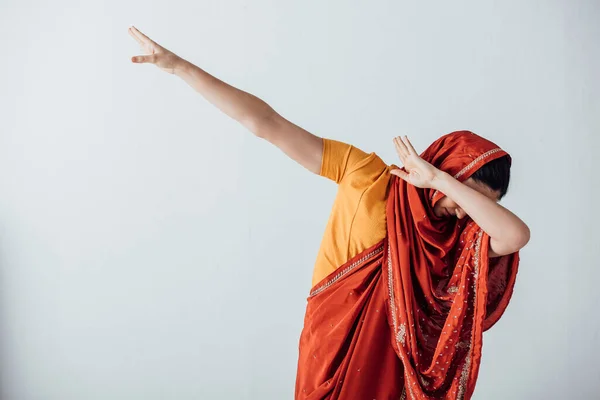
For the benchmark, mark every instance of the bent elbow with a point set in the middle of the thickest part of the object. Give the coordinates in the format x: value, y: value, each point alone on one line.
x: 521, y: 239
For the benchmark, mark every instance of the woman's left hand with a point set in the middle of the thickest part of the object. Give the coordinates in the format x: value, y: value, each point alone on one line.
x: 154, y: 53
x: 418, y: 171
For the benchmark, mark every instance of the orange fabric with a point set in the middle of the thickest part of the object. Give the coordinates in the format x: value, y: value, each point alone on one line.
x: 404, y: 318
x: 357, y: 219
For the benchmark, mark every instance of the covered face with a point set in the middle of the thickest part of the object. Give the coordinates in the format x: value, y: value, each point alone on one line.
x: 465, y: 156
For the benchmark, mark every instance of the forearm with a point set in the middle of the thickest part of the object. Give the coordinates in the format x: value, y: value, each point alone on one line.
x: 239, y: 105
x: 256, y: 115
x: 508, y: 233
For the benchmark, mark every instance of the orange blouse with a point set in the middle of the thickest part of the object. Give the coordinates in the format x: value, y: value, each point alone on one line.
x: 357, y: 220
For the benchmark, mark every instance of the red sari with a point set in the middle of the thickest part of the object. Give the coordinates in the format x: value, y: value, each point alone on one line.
x: 404, y: 319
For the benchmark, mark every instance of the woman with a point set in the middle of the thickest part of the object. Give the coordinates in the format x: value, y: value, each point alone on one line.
x: 404, y: 283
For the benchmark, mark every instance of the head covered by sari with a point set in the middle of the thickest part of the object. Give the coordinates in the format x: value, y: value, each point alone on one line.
x: 404, y: 319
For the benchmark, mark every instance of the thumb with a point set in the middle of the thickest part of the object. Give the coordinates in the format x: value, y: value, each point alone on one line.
x: 144, y: 59
x: 400, y: 173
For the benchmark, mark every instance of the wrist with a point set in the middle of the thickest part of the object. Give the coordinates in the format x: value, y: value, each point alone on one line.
x: 440, y: 180
x: 181, y: 67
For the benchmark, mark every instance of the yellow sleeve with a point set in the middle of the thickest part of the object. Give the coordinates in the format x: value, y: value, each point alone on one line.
x: 341, y: 159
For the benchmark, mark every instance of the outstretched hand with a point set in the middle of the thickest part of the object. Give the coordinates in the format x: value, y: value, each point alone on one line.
x: 418, y: 172
x: 154, y: 53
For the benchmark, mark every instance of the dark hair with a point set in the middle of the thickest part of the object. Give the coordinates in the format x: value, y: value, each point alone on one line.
x: 495, y: 174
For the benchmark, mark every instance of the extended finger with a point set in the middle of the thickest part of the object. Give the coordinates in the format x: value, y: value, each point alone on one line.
x: 133, y: 35
x: 144, y: 39
x: 409, y: 145
x: 398, y: 150
x: 401, y: 148
x: 138, y: 36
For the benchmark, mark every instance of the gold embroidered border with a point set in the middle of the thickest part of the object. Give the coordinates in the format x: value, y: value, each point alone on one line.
x: 471, y: 165
x: 347, y: 269
x: 475, y: 161
x: 464, y: 376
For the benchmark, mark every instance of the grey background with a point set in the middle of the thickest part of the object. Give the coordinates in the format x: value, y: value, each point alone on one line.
x: 151, y: 248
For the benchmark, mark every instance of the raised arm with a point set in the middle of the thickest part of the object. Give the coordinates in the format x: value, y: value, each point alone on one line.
x: 253, y: 113
x: 508, y: 233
